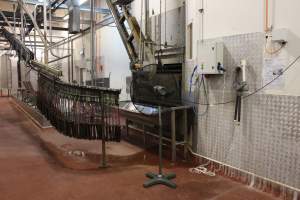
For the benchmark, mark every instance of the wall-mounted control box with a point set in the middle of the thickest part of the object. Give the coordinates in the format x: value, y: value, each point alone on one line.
x: 210, y: 57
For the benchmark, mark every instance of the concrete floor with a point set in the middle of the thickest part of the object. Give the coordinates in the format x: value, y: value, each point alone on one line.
x: 30, y: 172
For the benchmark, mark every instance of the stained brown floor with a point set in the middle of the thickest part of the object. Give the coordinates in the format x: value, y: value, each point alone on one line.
x: 28, y: 172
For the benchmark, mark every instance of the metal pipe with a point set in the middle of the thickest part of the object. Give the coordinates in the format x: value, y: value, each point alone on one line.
x: 147, y: 18
x: 69, y: 61
x: 141, y: 36
x: 72, y: 61
x: 166, y: 42
x: 24, y: 7
x: 14, y: 8
x: 93, y: 49
x: 160, y: 140
x: 19, y: 57
x: 34, y: 12
x: 6, y: 20
x: 60, y: 58
x: 99, y: 25
x: 46, y: 56
x: 50, y: 25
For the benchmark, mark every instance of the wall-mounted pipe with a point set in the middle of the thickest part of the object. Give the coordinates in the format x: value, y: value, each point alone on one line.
x: 268, y: 14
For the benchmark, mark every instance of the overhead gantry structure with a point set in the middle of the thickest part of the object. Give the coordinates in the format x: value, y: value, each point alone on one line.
x: 139, y: 52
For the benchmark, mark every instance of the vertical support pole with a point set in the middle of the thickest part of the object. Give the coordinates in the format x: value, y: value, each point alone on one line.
x: 14, y: 10
x: 34, y: 36
x: 19, y: 57
x: 19, y: 72
x: 69, y: 59
x: 103, y: 164
x: 127, y: 128
x: 103, y: 153
x: 72, y: 61
x: 93, y: 49
x: 145, y: 141
x: 173, y: 131
x: 147, y: 18
x: 160, y: 142
x: 160, y: 178
x: 46, y: 59
x: 34, y: 32
x: 185, y: 133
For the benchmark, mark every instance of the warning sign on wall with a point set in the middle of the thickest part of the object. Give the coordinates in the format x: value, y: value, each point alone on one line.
x: 273, y: 69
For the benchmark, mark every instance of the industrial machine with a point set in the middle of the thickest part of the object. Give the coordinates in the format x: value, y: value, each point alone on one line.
x: 153, y: 64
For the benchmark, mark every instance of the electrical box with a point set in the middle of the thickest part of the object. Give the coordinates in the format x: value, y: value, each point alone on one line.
x: 210, y: 57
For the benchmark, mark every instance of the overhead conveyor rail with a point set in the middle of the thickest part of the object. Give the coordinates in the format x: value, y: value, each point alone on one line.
x: 90, y: 113
x: 131, y: 35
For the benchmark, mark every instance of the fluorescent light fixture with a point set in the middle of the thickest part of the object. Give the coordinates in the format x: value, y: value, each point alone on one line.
x: 82, y: 2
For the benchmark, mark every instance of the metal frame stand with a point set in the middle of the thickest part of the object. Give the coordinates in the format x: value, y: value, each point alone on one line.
x: 160, y: 178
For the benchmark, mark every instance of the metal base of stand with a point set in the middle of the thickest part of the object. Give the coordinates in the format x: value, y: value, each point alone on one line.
x: 159, y: 179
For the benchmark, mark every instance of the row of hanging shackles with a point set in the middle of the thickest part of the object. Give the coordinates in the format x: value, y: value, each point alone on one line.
x: 79, y: 111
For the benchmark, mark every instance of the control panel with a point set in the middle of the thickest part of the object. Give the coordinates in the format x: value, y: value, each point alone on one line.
x: 210, y: 58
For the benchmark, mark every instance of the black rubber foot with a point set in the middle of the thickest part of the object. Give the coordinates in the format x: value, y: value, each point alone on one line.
x: 157, y: 179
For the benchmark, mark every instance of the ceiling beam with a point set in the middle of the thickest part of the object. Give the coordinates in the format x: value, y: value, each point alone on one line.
x: 63, y: 6
x: 55, y: 28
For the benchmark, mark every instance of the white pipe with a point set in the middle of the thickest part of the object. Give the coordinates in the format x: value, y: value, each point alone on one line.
x: 243, y: 66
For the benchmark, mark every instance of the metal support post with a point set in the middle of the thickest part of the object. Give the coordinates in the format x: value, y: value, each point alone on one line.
x: 103, y: 161
x: 160, y: 178
x: 185, y: 133
x: 173, y: 131
x: 93, y: 49
x: 46, y: 58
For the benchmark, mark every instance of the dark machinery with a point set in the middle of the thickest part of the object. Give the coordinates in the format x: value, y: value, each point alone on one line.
x: 149, y: 62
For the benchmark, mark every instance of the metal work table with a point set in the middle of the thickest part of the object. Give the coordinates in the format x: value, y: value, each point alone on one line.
x: 133, y: 115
